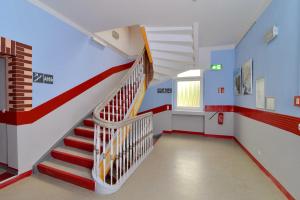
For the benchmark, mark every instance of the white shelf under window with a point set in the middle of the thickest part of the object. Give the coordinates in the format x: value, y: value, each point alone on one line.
x: 188, y: 112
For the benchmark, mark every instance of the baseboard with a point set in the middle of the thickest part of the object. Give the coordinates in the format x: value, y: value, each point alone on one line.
x: 197, y: 133
x: 15, y: 179
x: 182, y: 132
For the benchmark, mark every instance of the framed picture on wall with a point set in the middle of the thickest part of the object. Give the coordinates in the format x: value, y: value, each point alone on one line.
x: 238, y: 83
x: 247, y: 80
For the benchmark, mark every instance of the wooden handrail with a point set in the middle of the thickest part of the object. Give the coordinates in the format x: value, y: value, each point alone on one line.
x: 144, y: 35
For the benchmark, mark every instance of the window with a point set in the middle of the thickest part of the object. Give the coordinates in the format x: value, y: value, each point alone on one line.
x: 188, y: 91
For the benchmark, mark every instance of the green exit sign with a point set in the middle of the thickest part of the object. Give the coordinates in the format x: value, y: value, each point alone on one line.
x: 216, y: 67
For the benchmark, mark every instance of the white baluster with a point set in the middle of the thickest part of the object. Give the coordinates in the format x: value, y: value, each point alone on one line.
x: 123, y: 102
x: 127, y: 148
x: 111, y: 155
x: 124, y: 149
x: 144, y: 132
x: 129, y: 93
x: 146, y: 135
x: 108, y: 112
x: 131, y: 142
x: 135, y: 141
x: 134, y: 78
x: 127, y: 97
x: 140, y: 139
x: 149, y: 131
x: 95, y: 148
x: 117, y: 155
x: 121, y: 151
x: 113, y: 109
x: 104, y: 151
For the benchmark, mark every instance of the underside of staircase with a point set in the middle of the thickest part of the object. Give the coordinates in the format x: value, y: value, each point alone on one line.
x: 173, y: 50
x: 73, y: 159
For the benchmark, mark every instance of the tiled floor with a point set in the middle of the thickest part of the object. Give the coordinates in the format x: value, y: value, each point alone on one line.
x: 180, y: 167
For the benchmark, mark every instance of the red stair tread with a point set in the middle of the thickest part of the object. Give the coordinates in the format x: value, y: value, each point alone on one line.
x: 80, y: 143
x: 67, y: 176
x: 5, y: 175
x: 73, y: 157
x: 88, y: 122
x: 88, y: 132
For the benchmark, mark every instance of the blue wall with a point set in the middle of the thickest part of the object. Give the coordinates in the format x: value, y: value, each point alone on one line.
x: 153, y: 99
x: 223, y: 78
x: 58, y: 48
x: 212, y: 81
x: 277, y: 62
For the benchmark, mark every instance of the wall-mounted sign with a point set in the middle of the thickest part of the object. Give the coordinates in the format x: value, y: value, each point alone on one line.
x: 42, y: 78
x: 216, y: 67
x: 164, y: 90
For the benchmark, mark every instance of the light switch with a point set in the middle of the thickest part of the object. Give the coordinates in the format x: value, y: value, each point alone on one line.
x: 297, y: 101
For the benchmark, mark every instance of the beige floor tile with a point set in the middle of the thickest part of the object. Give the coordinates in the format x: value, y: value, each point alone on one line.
x: 180, y: 167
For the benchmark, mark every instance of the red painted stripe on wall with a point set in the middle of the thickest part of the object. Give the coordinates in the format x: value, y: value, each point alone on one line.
x: 219, y: 108
x: 284, y: 122
x: 28, y: 117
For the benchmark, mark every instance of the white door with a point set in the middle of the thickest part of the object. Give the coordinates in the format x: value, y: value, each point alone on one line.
x: 3, y: 105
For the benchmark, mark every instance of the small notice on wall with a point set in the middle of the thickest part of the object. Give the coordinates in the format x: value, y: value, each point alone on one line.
x: 270, y: 103
x: 42, y: 78
x: 260, y: 93
x: 164, y: 90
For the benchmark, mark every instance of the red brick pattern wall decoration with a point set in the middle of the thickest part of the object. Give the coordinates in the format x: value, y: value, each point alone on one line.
x: 19, y: 74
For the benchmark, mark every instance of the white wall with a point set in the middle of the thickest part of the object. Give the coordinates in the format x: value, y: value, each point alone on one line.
x: 162, y: 121
x: 205, y: 54
x: 28, y: 143
x: 186, y: 122
x: 130, y: 40
x: 212, y: 126
x: 169, y: 121
x: 277, y: 150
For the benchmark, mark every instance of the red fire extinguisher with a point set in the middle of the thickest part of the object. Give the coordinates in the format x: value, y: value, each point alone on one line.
x: 221, y: 118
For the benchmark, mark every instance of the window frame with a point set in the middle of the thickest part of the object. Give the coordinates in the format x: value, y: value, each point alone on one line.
x: 174, y: 99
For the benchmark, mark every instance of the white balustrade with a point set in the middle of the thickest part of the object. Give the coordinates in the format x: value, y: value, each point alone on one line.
x: 121, y: 142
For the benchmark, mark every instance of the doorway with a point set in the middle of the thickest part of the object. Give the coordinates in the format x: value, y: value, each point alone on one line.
x: 3, y: 127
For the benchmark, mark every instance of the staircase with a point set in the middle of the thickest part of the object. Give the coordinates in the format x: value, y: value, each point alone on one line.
x: 173, y: 50
x: 109, y: 145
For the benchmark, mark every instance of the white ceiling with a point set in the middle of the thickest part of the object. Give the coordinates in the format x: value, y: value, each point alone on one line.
x: 221, y: 22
